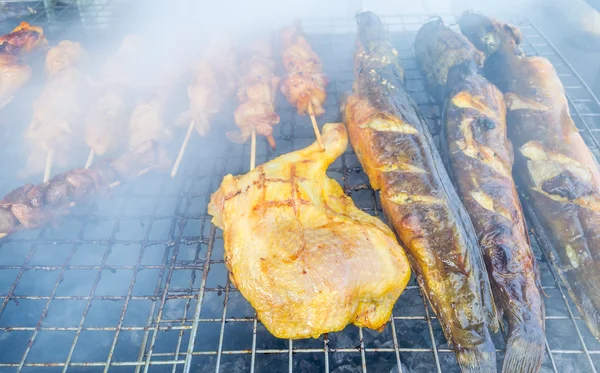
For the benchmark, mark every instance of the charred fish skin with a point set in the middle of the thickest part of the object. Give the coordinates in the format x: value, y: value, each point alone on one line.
x: 556, y: 169
x: 394, y: 146
x: 476, y: 146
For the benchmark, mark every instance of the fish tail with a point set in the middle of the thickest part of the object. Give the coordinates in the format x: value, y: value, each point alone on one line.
x: 524, y: 348
x: 586, y: 294
x: 477, y: 359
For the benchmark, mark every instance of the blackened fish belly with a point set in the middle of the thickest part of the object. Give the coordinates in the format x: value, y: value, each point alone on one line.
x: 396, y: 150
x: 552, y: 162
x: 480, y: 160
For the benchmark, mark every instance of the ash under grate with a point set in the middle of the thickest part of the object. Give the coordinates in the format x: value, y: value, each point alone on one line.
x: 137, y: 282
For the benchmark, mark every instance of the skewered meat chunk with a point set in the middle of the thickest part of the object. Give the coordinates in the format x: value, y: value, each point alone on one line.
x: 393, y: 143
x: 205, y: 96
x: 30, y: 207
x: 108, y: 113
x: 59, y: 107
x: 553, y: 165
x: 300, y: 251
x: 256, y: 93
x: 304, y: 82
x: 480, y: 160
x: 14, y: 73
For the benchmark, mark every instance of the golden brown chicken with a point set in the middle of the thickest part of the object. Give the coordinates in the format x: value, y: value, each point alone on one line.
x: 304, y: 83
x: 106, y: 120
x: 14, y: 73
x: 300, y: 251
x: 58, y: 109
x: 256, y: 93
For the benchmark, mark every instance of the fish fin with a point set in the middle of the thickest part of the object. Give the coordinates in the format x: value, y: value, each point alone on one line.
x: 524, y: 350
x: 477, y: 359
x: 587, y: 297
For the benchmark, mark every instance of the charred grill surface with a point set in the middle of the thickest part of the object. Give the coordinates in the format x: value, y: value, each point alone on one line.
x: 552, y: 163
x: 480, y: 162
x: 396, y: 150
x: 33, y: 206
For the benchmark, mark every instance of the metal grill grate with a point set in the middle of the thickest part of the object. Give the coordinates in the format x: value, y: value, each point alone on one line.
x: 137, y: 282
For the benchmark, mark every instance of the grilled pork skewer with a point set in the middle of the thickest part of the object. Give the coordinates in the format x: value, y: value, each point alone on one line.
x: 14, y: 73
x: 30, y: 207
x: 108, y: 113
x: 306, y: 258
x: 553, y: 165
x: 393, y: 143
x: 256, y: 94
x: 480, y: 160
x: 304, y: 83
x: 58, y: 108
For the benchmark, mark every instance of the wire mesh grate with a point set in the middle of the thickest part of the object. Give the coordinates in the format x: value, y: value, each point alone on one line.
x: 137, y: 282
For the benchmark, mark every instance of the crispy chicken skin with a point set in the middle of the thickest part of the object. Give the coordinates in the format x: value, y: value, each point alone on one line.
x: 480, y: 159
x: 396, y: 150
x: 552, y: 162
x: 300, y: 251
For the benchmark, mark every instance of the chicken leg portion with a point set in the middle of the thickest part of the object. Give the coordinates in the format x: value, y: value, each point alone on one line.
x: 299, y: 250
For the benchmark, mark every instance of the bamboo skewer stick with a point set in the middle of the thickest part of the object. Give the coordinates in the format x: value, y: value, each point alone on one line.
x: 48, y: 170
x: 90, y: 159
x: 315, y: 126
x: 253, y: 151
x: 183, y: 147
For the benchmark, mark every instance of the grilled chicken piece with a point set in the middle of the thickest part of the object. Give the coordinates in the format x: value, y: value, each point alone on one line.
x: 14, y: 73
x: 30, y: 207
x: 480, y: 160
x: 204, y: 95
x: 256, y: 94
x: 304, y: 82
x: 106, y: 120
x: 300, y: 251
x: 59, y: 107
x: 552, y: 163
x: 396, y: 150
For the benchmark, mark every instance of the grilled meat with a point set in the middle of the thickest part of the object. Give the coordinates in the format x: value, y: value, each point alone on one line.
x: 394, y: 146
x: 205, y: 96
x: 108, y: 113
x: 14, y: 73
x: 480, y: 160
x: 552, y: 163
x: 30, y: 206
x: 304, y: 82
x: 256, y: 94
x: 59, y: 107
x: 298, y: 249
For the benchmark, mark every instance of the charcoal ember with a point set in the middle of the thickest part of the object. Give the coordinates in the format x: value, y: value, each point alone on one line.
x: 348, y: 368
x: 240, y: 365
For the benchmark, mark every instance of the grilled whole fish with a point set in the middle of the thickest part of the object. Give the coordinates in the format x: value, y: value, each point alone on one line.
x: 394, y: 146
x: 552, y: 162
x: 480, y: 162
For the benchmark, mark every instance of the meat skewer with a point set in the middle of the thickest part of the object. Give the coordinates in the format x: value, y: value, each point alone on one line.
x: 14, y: 73
x: 256, y: 94
x: 304, y: 83
x: 554, y: 167
x: 393, y: 143
x: 59, y: 105
x: 107, y: 115
x: 213, y: 83
x: 30, y: 207
x: 480, y: 160
x: 295, y: 241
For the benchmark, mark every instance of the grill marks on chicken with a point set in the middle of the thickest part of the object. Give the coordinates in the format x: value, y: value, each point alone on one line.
x: 256, y: 94
x: 14, y: 72
x: 552, y: 163
x: 480, y: 159
x: 299, y: 250
x: 30, y: 207
x: 304, y: 82
x: 106, y: 120
x: 395, y: 148
x: 59, y: 107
